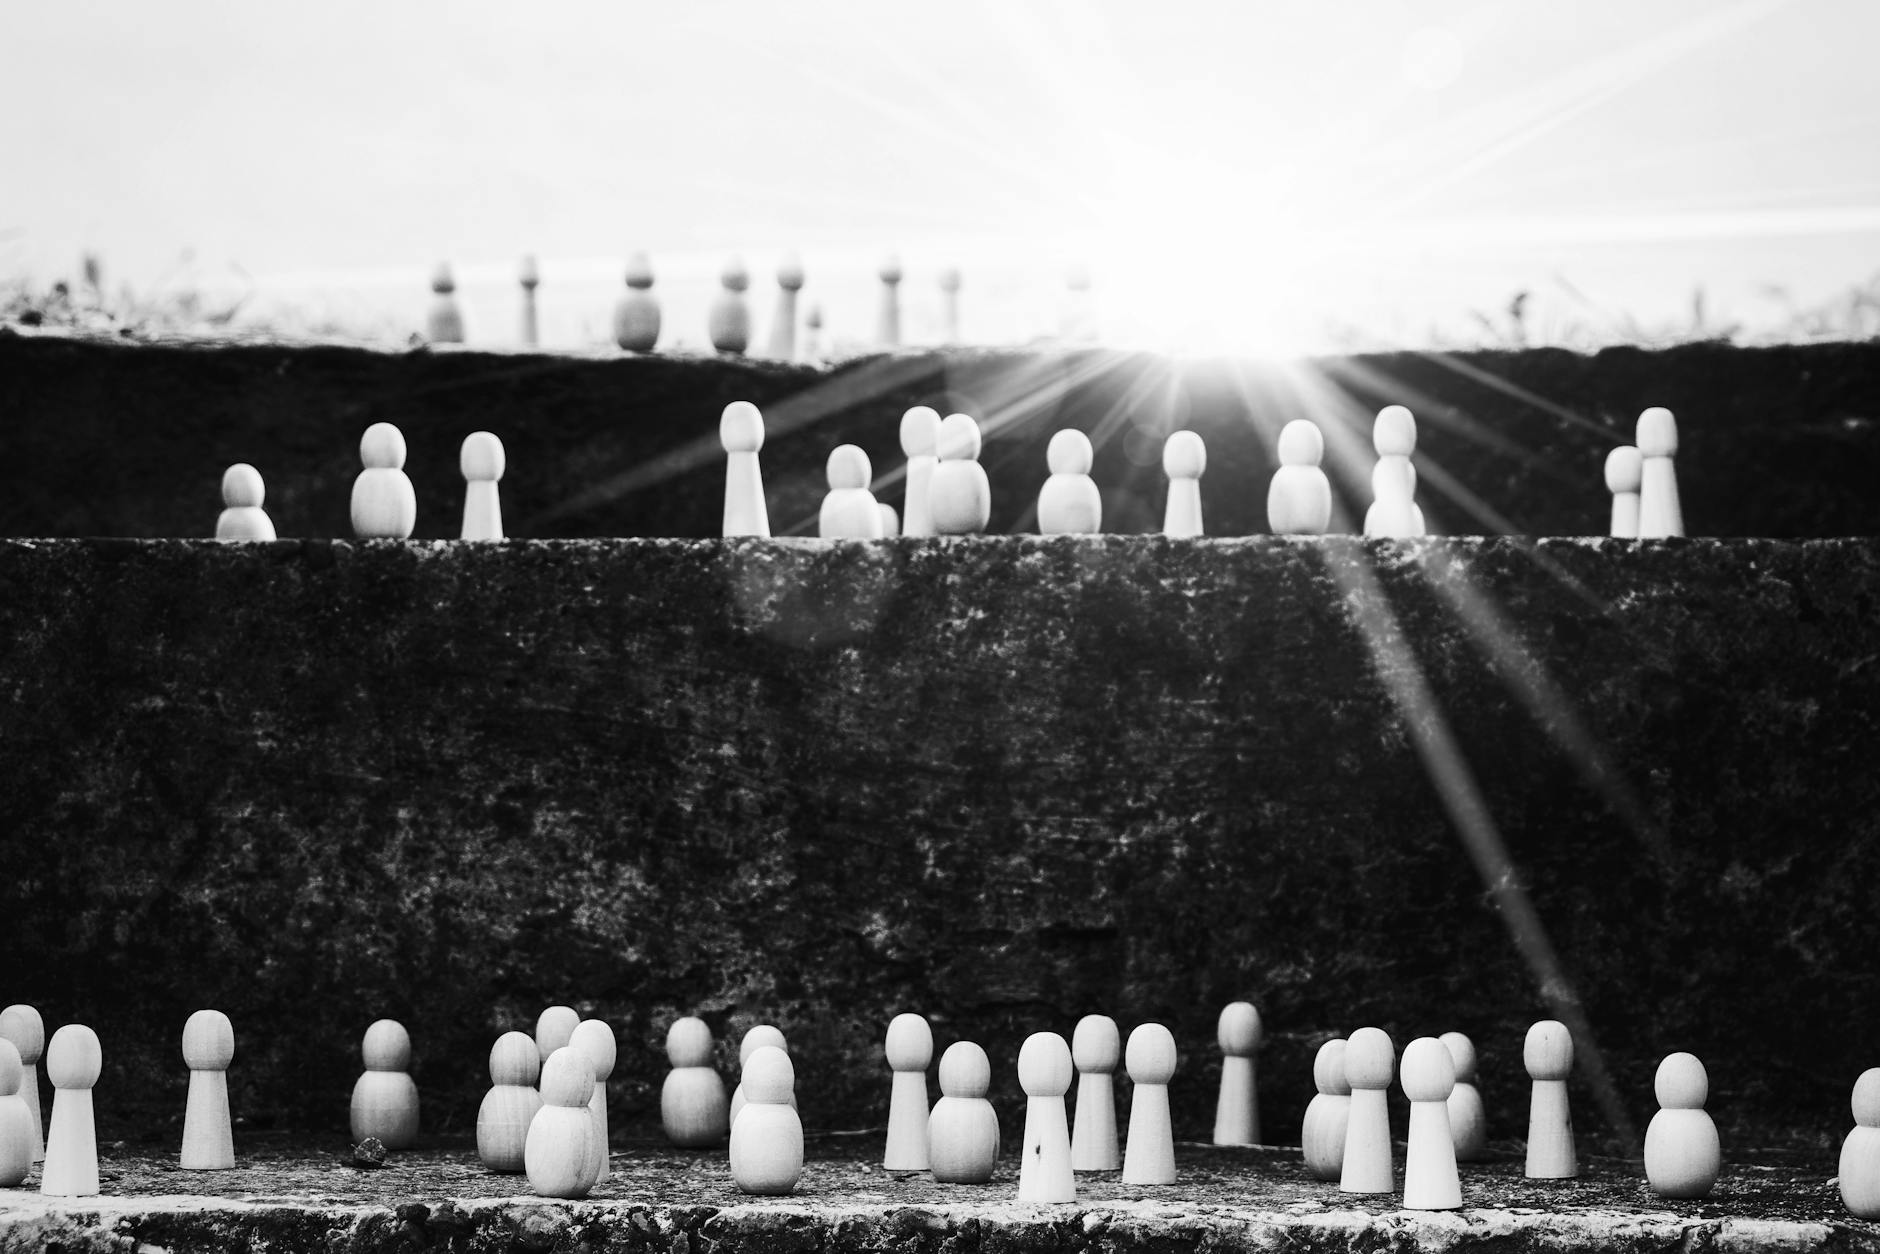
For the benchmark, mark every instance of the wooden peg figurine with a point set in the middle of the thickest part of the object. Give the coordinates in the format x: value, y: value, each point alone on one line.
x: 741, y: 431
x: 636, y: 316
x: 1322, y: 1135
x: 920, y: 439
x: 22, y: 1025
x: 1625, y: 472
x: 208, y: 1048
x: 1468, y: 1122
x: 783, y: 327
x: 1548, y: 1056
x: 909, y: 1048
x: 767, y: 1138
x: 1149, y: 1153
x: 1682, y: 1153
x: 849, y: 511
x: 888, y: 328
x: 385, y: 1101
x: 503, y: 1118
x: 890, y: 521
x: 73, y: 1061
x: 1860, y: 1153
x: 812, y: 334
x: 16, y: 1122
x: 384, y: 507
x: 445, y: 323
x: 1430, y: 1181
x: 1069, y: 503
x: 1393, y: 513
x: 595, y: 1038
x: 959, y: 494
x: 482, y: 463
x: 1299, y: 500
x: 1184, y: 461
x: 242, y: 517
x: 1659, y: 511
x: 692, y: 1103
x: 963, y: 1129
x: 1237, y: 1112
x: 1096, y: 1049
x: 530, y: 278
x: 554, y: 1028
x: 1044, y: 1072
x: 730, y: 323
x: 1370, y: 1164
x: 560, y: 1154
x: 758, y: 1037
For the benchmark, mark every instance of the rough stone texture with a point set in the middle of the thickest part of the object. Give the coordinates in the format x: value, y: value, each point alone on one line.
x: 289, y: 1198
x: 115, y: 438
x: 1005, y: 782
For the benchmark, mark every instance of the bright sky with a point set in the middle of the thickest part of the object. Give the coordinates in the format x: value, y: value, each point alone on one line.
x: 1228, y: 171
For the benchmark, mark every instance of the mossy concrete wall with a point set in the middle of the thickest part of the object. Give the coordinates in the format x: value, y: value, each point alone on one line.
x: 109, y: 438
x: 1004, y: 782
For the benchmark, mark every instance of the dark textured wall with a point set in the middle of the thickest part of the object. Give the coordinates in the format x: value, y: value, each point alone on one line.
x: 1005, y: 782
x: 108, y: 438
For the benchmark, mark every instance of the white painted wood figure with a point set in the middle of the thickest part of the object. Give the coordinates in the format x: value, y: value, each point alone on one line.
x: 503, y: 1118
x: 888, y: 325
x: 1659, y: 511
x: 384, y: 506
x: 1322, y: 1134
x: 1149, y: 1151
x: 1625, y: 471
x: 920, y: 438
x: 73, y: 1061
x: 1468, y: 1122
x: 1069, y: 503
x: 741, y: 431
x: 909, y: 1048
x: 242, y: 517
x: 1044, y: 1072
x: 963, y: 1128
x: 1237, y: 1111
x: 16, y: 1121
x: 959, y: 494
x: 1299, y: 499
x: 530, y: 278
x: 783, y: 326
x: 767, y: 1137
x: 1860, y: 1153
x: 1370, y: 1164
x: 22, y: 1025
x: 849, y: 511
x: 758, y: 1037
x: 890, y: 521
x: 636, y: 314
x: 595, y: 1038
x: 1184, y: 461
x: 812, y: 334
x: 1393, y: 513
x: 482, y: 462
x: 554, y: 1028
x: 444, y: 324
x: 208, y: 1136
x: 560, y: 1155
x: 693, y: 1105
x: 1430, y: 1181
x: 1096, y: 1049
x: 1548, y: 1056
x: 729, y: 325
x: 385, y: 1101
x: 1682, y: 1153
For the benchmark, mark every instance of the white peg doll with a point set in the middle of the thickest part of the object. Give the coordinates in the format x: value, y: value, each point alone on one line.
x: 530, y: 278
x: 1860, y: 1153
x: 1237, y: 1112
x: 741, y: 431
x: 1659, y: 512
x: 959, y: 494
x: 783, y: 327
x: 384, y: 506
x: 920, y: 438
x: 385, y: 1101
x: 595, y: 1038
x: 812, y: 334
x: 1096, y: 1049
x: 1430, y: 1181
x: 208, y: 1048
x: 1370, y: 1164
x: 758, y: 1037
x: 1184, y: 460
x: 16, y: 1121
x: 1149, y: 1153
x: 503, y: 1118
x: 636, y: 315
x: 482, y: 463
x: 909, y: 1048
x: 1468, y: 1122
x: 692, y: 1103
x: 1044, y: 1072
x: 888, y: 328
x: 963, y: 1129
x: 559, y: 1154
x: 554, y: 1028
x: 1548, y: 1056
x: 1299, y: 500
x: 1625, y: 471
x: 729, y: 325
x: 767, y: 1136
x: 22, y: 1025
x: 1393, y: 513
x: 242, y: 517
x: 849, y: 511
x: 1069, y: 503
x: 1682, y: 1153
x: 1322, y: 1135
x: 890, y: 521
x: 444, y: 325
x: 73, y: 1061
